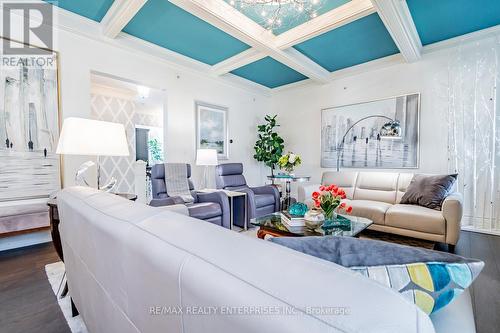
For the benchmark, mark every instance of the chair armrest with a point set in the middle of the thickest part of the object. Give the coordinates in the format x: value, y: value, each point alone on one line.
x: 179, y: 209
x: 166, y: 201
x: 304, y: 193
x: 269, y: 189
x: 452, y: 210
x: 220, y: 198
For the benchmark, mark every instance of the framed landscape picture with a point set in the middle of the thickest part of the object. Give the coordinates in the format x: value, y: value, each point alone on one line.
x: 29, y: 126
x: 354, y: 136
x: 211, y: 128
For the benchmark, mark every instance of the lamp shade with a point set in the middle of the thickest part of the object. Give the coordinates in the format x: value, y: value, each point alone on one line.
x: 81, y: 136
x: 206, y: 157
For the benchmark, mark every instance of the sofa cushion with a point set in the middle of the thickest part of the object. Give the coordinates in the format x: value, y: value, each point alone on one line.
x: 416, y: 218
x: 428, y: 191
x: 344, y: 179
x: 204, y: 210
x: 373, y: 210
x: 262, y: 200
x: 376, y: 186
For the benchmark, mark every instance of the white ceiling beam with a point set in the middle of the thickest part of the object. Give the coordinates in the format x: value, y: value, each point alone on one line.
x: 241, y: 59
x: 398, y: 21
x: 119, y: 15
x: 342, y: 15
x: 223, y: 16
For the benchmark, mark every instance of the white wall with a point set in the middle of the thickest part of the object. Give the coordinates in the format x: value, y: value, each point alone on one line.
x: 80, y: 54
x: 299, y: 109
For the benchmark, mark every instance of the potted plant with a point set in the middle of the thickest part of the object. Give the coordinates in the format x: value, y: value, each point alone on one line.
x: 270, y: 145
x: 329, y: 199
x: 289, y: 161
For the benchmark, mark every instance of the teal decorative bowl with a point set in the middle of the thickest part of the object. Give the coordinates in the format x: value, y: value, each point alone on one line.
x: 298, y: 209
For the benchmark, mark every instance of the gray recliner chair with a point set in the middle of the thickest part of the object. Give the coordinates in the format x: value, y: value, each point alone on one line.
x: 211, y: 207
x: 262, y: 200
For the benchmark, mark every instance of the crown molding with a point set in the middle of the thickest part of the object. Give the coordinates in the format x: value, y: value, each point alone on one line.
x: 226, y: 18
x: 397, y: 59
x: 464, y: 39
x: 119, y: 15
x: 86, y: 28
x: 398, y: 20
x: 340, y: 16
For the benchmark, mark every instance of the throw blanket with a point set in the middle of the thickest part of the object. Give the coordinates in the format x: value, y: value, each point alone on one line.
x: 429, y: 279
x: 176, y: 180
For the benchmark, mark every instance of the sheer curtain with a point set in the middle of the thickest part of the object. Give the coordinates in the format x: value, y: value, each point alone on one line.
x: 474, y: 130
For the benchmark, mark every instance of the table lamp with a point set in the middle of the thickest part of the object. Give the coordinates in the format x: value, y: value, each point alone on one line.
x: 206, y: 158
x: 81, y: 136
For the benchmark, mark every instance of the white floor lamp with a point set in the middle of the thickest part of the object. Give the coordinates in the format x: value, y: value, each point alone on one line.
x: 206, y: 158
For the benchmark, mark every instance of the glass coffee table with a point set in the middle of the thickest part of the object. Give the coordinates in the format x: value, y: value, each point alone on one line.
x: 271, y: 225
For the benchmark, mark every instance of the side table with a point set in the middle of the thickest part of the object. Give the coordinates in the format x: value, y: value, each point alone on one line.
x: 234, y: 214
x: 288, y: 179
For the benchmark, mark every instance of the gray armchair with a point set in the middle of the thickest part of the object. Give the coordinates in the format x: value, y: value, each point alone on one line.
x: 211, y: 207
x: 262, y: 200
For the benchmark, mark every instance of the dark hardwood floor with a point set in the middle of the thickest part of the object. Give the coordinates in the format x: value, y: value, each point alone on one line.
x: 27, y: 303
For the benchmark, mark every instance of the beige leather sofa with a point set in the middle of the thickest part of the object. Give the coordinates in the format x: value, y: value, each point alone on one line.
x: 136, y: 268
x: 376, y: 195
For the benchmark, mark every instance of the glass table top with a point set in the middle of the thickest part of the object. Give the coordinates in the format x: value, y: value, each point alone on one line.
x: 273, y: 222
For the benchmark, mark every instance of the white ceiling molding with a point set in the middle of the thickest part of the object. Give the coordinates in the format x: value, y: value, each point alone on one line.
x: 398, y: 21
x: 223, y: 16
x: 395, y: 59
x: 333, y: 19
x: 467, y: 38
x: 241, y: 59
x: 342, y: 15
x: 83, y: 27
x: 119, y: 15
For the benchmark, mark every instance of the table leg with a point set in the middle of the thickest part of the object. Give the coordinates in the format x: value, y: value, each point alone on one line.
x: 231, y: 214
x: 245, y: 203
x: 287, y: 195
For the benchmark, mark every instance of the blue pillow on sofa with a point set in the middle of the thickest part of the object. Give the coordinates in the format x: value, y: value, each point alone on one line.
x: 429, y: 279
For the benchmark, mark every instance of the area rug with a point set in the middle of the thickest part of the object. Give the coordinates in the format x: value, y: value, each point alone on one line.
x: 376, y: 235
x: 55, y: 274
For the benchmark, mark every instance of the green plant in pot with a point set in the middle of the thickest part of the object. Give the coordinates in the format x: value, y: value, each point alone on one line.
x: 270, y: 145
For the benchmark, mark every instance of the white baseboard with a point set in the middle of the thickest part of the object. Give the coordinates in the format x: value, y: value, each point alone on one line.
x: 14, y: 242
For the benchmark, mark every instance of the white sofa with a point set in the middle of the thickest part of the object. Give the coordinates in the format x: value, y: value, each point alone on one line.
x: 377, y: 196
x: 129, y: 264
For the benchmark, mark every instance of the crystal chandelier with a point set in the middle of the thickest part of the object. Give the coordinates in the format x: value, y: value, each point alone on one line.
x: 277, y: 14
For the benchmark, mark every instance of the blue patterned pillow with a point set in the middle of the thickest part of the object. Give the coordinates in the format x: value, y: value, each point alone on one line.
x: 430, y: 279
x: 430, y: 285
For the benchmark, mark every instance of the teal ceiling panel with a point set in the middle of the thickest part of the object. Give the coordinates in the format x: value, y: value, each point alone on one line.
x: 444, y: 19
x: 269, y: 72
x: 287, y: 11
x: 361, y: 41
x: 162, y: 23
x: 92, y: 9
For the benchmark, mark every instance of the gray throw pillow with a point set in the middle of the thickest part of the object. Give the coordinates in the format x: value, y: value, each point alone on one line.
x: 428, y: 191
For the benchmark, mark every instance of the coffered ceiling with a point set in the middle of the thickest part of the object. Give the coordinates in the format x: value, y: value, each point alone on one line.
x: 341, y: 34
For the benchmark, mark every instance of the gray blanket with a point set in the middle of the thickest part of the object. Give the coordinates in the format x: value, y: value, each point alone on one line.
x: 176, y: 181
x: 355, y: 252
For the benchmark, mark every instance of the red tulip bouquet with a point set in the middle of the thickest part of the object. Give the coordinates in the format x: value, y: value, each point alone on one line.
x: 329, y: 198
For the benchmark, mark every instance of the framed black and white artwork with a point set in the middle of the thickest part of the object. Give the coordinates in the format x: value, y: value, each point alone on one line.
x: 380, y: 134
x: 29, y: 126
x: 211, y: 128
